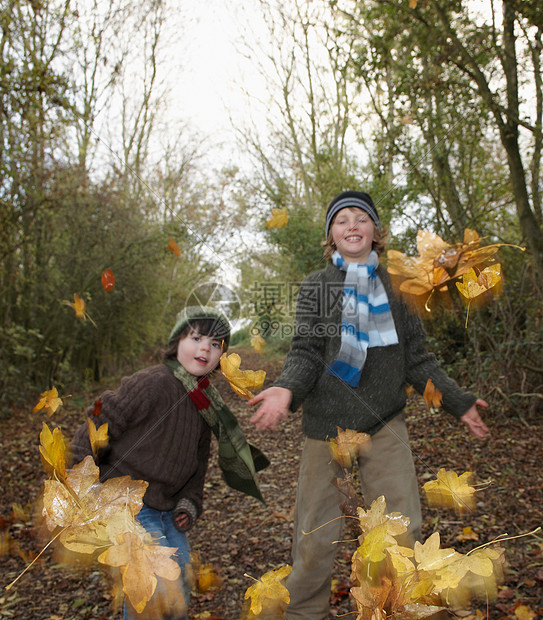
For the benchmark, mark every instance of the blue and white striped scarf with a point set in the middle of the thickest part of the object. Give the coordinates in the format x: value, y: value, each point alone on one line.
x: 366, y: 319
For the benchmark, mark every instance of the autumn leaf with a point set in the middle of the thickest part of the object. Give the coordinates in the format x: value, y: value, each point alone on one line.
x: 268, y: 588
x: 279, y: 218
x: 432, y: 396
x: 97, y: 408
x: 258, y: 343
x: 173, y: 247
x: 451, y: 491
x: 467, y: 534
x: 413, y: 4
x: 21, y: 514
x: 79, y: 307
x: 348, y: 446
x: 53, y: 451
x: 207, y: 578
x: 49, y: 401
x: 141, y: 563
x: 374, y: 544
x: 430, y: 557
x: 98, y: 438
x: 241, y: 381
x: 108, y: 280
x: 523, y: 612
x: 438, y: 263
x: 475, y: 287
x: 91, y: 514
x: 368, y: 519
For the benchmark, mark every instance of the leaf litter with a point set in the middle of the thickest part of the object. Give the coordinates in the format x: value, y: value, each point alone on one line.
x: 238, y: 536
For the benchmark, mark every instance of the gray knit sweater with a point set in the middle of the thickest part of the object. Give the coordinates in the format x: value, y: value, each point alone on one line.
x: 327, y: 401
x: 155, y: 434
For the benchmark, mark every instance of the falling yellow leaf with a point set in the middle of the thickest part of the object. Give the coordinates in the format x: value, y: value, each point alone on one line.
x: 397, y: 524
x: 258, y: 343
x: 268, y: 588
x: 430, y: 556
x: 279, y: 218
x: 413, y: 4
x: 207, y: 578
x: 173, y: 247
x: 438, y: 264
x: 374, y: 544
x: 348, y: 446
x: 98, y: 438
x: 241, y: 381
x: 451, y: 491
x: 91, y: 514
x: 141, y: 564
x: 79, y: 307
x: 53, y: 451
x: 477, y: 287
x: 49, y: 401
x: 432, y: 396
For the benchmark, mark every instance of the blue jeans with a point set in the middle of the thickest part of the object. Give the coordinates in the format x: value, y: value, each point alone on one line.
x: 161, y: 526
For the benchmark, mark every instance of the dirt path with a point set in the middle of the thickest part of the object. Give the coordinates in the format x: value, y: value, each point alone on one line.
x: 240, y: 536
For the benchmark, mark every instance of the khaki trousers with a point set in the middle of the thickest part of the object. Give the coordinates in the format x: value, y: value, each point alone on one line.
x: 387, y: 470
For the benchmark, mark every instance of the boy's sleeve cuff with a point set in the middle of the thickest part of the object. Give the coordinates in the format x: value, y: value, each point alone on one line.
x: 188, y: 507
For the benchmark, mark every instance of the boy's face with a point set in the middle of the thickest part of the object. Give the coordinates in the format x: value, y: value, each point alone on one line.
x: 353, y: 232
x: 199, y: 354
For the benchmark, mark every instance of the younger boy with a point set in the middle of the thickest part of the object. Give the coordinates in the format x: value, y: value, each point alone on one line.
x: 159, y: 423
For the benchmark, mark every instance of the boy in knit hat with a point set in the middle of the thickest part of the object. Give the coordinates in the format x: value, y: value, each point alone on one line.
x: 355, y: 349
x: 160, y: 421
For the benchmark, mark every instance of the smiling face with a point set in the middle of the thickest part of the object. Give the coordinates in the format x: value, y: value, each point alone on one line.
x: 199, y: 354
x: 353, y: 232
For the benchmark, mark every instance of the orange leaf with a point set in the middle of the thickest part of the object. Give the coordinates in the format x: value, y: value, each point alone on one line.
x: 108, y: 280
x: 432, y: 396
x: 173, y: 247
x: 97, y: 409
x: 79, y: 307
x: 467, y: 534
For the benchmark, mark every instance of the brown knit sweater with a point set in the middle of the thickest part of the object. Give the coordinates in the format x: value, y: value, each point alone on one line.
x: 327, y: 401
x: 155, y: 434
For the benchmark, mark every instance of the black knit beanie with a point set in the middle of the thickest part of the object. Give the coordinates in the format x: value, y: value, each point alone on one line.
x: 220, y: 329
x: 359, y: 200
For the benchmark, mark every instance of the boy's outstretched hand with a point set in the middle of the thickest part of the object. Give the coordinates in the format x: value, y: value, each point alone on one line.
x: 275, y: 403
x: 473, y: 420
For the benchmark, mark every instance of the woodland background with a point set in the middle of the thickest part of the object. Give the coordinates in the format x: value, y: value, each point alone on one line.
x: 434, y: 107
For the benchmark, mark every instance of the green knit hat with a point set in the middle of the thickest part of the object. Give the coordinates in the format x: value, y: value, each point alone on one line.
x: 220, y: 328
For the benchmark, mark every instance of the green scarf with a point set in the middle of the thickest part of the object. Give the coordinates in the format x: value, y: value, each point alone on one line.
x: 238, y: 459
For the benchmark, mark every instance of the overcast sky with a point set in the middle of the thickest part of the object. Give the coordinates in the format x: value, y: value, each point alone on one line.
x: 211, y: 71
